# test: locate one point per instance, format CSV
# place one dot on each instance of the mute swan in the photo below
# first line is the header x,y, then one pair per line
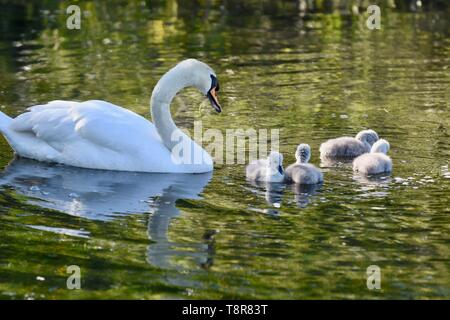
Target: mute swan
x,y
99,135
348,147
303,172
374,162
268,170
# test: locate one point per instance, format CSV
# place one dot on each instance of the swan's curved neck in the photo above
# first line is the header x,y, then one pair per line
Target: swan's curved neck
x,y
165,90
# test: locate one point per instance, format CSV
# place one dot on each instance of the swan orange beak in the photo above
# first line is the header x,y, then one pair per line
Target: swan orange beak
x,y
212,96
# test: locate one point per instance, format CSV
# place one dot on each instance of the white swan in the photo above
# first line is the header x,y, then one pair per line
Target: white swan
x,y
99,135
268,170
376,161
348,147
303,172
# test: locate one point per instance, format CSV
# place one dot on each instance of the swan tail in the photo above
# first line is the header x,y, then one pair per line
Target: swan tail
x,y
4,122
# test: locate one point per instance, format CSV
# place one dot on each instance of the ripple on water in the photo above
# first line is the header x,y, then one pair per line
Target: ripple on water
x,y
65,231
314,79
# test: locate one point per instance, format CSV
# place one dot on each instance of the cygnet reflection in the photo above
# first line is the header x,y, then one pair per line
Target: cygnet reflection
x,y
273,193
303,193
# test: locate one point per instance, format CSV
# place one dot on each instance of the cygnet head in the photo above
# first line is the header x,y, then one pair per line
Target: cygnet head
x,y
275,162
381,146
368,136
201,76
303,153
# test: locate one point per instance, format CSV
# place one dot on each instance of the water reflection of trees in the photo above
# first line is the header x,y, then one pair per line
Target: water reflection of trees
x,y
124,47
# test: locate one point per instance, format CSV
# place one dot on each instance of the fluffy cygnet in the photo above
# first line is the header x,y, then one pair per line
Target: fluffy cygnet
x,y
348,147
303,172
269,170
376,161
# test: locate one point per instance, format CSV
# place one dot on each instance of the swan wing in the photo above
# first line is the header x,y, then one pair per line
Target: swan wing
x,y
61,123
256,170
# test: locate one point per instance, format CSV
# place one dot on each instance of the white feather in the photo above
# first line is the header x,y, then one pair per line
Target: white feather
x,y
376,161
303,172
348,147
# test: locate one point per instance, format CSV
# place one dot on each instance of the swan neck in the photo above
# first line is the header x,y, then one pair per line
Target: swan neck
x,y
163,93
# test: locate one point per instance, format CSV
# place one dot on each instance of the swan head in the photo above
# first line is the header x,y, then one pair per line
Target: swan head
x,y
381,146
368,136
275,164
203,78
303,153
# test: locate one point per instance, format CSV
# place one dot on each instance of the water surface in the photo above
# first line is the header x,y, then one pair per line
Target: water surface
x,y
313,76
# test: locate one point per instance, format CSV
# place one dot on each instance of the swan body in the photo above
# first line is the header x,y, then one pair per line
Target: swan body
x,y
268,170
100,135
376,161
303,172
348,147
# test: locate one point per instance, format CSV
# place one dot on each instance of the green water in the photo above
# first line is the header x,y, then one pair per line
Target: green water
x,y
313,76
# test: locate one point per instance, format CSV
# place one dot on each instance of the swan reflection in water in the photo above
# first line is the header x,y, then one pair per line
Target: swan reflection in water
x,y
105,195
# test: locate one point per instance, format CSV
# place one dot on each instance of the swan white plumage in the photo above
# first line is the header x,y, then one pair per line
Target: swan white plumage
x,y
348,147
303,172
268,170
99,135
376,161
